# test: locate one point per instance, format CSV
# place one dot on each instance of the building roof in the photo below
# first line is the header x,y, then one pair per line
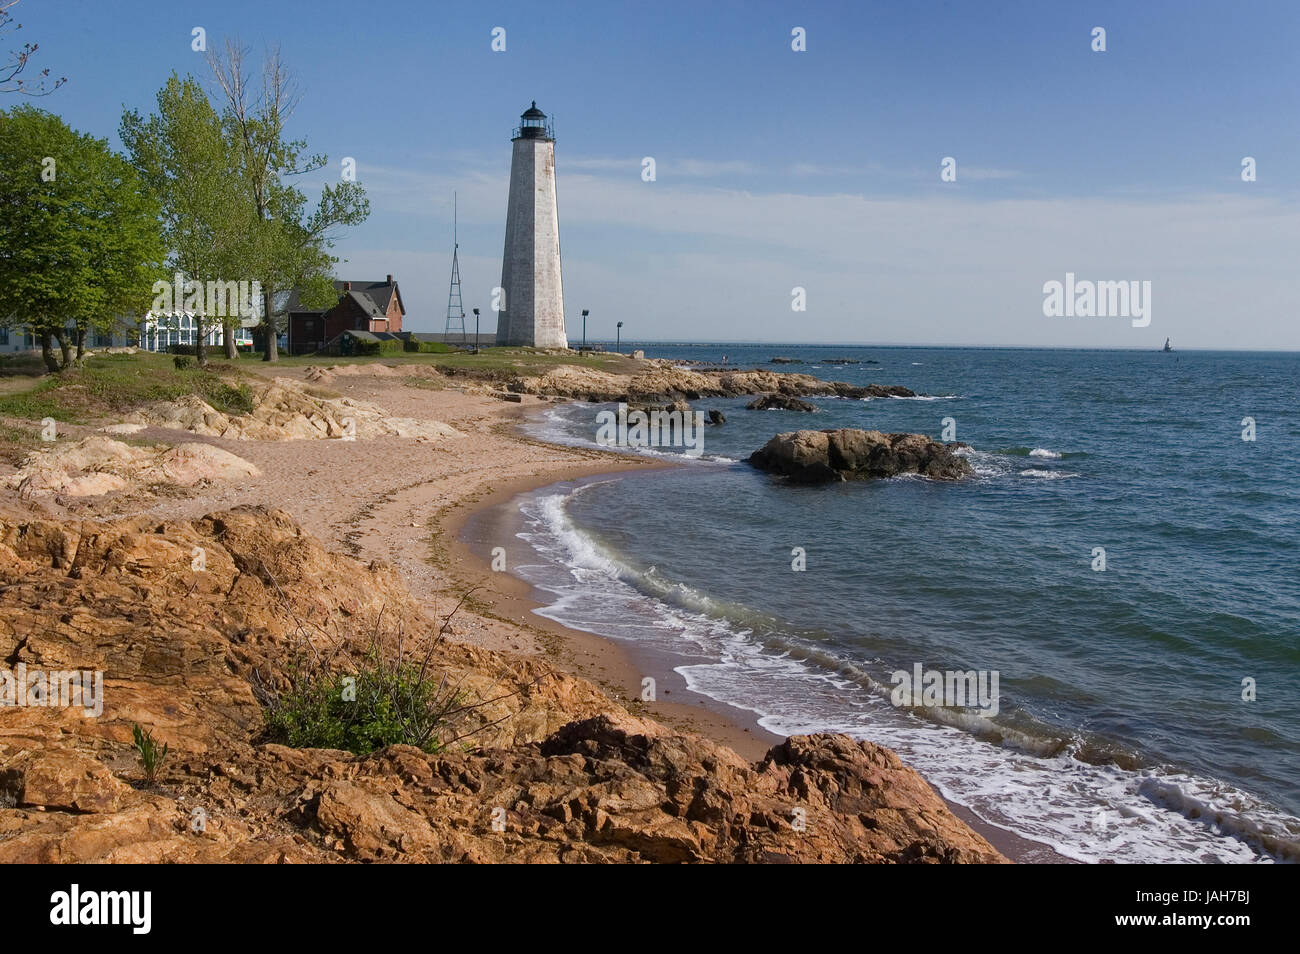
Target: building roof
x,y
371,297
532,112
371,335
366,304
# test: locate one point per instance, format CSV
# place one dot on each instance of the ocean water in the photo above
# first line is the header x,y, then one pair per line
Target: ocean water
x,y
1122,732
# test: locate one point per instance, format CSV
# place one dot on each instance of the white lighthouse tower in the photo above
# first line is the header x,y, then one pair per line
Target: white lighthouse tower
x,y
532,313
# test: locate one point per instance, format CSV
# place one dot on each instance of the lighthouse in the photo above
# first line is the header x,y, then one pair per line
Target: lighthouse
x,y
531,311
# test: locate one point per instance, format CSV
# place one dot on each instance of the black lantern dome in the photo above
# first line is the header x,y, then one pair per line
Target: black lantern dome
x,y
533,125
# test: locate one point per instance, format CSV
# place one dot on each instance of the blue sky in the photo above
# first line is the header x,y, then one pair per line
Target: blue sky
x,y
777,169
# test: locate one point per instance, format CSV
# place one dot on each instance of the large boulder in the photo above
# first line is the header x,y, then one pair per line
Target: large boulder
x,y
815,457
780,402
97,465
60,780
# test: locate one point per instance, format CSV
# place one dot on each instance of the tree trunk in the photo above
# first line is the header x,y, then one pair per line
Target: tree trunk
x,y
200,346
47,351
268,318
228,338
80,338
61,336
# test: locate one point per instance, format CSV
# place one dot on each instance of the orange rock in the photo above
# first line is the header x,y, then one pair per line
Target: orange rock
x,y
558,771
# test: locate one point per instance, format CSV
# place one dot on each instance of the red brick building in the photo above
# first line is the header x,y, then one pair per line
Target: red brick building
x,y
362,306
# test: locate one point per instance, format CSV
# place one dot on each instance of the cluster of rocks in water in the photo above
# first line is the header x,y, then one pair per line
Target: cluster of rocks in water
x,y
818,457
667,387
780,402
806,456
713,416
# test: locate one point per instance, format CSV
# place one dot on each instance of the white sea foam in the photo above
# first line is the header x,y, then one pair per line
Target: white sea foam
x,y
1086,812
926,397
1047,474
558,426
1043,452
984,464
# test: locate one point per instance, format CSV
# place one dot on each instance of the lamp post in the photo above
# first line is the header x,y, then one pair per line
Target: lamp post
x,y
585,313
476,331
618,335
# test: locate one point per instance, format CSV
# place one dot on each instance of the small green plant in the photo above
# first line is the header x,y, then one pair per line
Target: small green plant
x,y
377,705
182,362
384,698
151,756
229,399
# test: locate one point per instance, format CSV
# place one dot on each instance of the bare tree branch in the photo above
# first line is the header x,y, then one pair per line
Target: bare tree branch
x,y
18,59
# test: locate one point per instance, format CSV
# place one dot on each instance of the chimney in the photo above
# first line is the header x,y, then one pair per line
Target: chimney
x,y
347,286
390,279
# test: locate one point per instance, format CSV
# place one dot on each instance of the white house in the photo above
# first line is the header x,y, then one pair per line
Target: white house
x,y
154,333
15,340
158,332
18,340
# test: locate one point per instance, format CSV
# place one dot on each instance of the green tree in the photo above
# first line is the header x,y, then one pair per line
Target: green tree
x,y
184,156
80,240
290,245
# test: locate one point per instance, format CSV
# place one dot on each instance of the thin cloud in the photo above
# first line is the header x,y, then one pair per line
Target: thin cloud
x,y
664,165
811,170
985,174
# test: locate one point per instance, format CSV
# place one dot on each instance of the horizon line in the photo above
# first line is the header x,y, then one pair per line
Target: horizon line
x,y
970,347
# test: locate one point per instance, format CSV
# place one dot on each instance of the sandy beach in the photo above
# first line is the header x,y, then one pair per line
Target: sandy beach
x,y
406,502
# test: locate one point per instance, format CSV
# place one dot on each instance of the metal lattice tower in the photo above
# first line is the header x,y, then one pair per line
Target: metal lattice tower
x,y
455,309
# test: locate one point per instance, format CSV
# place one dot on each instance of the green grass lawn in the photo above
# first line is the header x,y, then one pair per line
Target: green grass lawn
x,y
526,361
519,360
113,384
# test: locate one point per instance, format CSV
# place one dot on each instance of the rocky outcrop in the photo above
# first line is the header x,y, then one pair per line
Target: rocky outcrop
x,y
664,383
284,410
61,780
97,465
814,457
682,407
780,402
553,770
716,417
